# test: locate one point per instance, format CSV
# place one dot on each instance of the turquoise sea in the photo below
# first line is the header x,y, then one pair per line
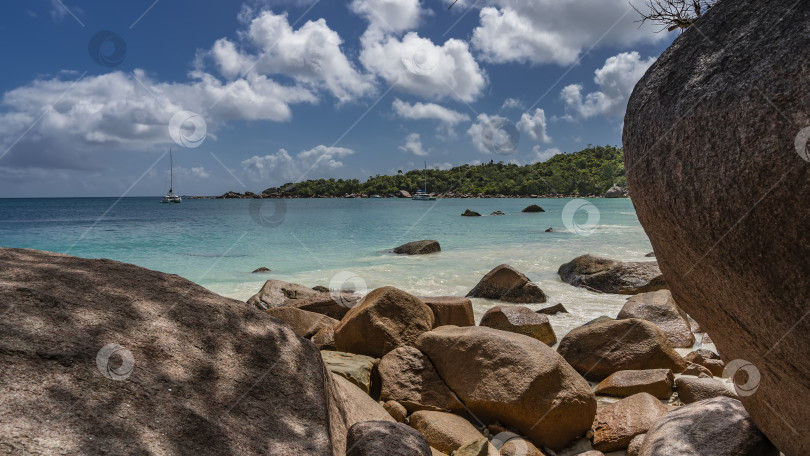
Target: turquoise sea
x,y
342,242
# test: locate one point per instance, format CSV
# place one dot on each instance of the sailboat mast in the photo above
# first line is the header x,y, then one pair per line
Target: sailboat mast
x,y
425,177
171,171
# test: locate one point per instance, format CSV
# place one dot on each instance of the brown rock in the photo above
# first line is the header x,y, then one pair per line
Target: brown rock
x,y
635,445
658,382
600,349
335,304
553,310
382,438
538,393
708,359
450,310
591,453
325,338
444,431
716,366
304,323
383,320
418,247
696,370
480,447
198,367
261,269
469,213
354,368
275,293
610,276
355,405
409,378
520,320
737,259
717,427
697,389
615,425
396,410
511,444
504,283
659,308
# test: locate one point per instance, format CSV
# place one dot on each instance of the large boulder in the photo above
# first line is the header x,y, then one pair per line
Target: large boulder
x,y
102,357
659,308
383,320
610,276
616,424
512,378
691,389
408,377
520,320
418,247
719,427
383,438
356,406
616,192
715,145
505,283
450,310
658,382
304,323
600,349
444,431
275,293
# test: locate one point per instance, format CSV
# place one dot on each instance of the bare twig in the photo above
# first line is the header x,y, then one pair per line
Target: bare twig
x,y
673,14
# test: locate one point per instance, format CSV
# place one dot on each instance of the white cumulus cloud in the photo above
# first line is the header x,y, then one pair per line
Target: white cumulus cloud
x,y
317,162
413,145
534,125
390,15
616,79
431,111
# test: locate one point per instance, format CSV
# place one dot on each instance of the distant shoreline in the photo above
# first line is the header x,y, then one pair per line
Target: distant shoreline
x,y
234,195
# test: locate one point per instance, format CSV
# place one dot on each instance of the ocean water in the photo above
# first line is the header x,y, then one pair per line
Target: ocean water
x,y
339,242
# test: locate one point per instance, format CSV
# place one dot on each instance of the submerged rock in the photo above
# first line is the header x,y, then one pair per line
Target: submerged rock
x,y
658,307
610,276
469,213
533,208
418,247
505,283
110,356
497,213
600,349
262,269
717,427
520,320
539,393
385,319
737,260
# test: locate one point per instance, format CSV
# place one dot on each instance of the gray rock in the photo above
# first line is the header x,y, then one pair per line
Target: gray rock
x,y
715,152
692,389
658,307
610,276
383,438
533,208
717,427
418,247
469,213
553,310
616,192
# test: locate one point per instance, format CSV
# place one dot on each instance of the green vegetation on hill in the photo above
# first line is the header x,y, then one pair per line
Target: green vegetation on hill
x,y
590,171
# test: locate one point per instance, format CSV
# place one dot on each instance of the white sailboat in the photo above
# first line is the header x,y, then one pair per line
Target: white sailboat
x,y
422,195
171,197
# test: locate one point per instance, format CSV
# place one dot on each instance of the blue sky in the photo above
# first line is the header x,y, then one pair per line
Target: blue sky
x,y
255,94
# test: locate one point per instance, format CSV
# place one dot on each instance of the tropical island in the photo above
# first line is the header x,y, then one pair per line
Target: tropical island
x,y
589,172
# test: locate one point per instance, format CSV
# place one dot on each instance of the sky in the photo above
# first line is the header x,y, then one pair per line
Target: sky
x,y
256,94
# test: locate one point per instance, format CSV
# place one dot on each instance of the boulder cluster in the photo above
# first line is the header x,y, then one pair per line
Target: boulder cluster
x,y
393,374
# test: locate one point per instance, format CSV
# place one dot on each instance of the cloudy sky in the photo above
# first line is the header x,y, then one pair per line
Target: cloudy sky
x,y
257,94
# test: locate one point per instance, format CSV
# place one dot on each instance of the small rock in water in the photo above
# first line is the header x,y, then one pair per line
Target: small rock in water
x,y
549,230
553,310
261,269
497,213
469,213
650,255
320,288
505,283
533,208
418,247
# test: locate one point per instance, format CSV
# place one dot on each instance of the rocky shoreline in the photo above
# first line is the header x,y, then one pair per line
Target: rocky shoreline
x,y
615,192
385,373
